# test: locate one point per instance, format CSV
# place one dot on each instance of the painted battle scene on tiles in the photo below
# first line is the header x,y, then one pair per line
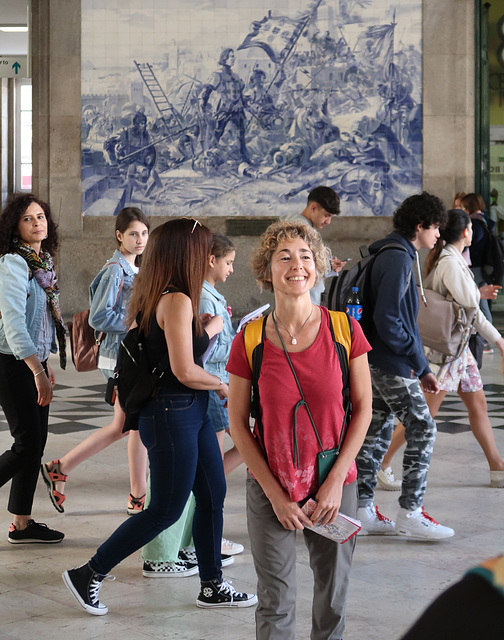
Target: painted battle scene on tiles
x,y
240,107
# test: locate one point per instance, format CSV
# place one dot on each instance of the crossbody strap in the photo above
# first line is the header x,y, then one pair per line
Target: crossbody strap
x,y
299,404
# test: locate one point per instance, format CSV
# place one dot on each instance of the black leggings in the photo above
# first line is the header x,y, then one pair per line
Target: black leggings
x,y
28,426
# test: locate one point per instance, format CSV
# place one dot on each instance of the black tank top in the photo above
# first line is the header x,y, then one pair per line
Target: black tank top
x,y
156,348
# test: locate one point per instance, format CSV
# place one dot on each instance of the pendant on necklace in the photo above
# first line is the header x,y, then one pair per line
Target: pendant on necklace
x,y
294,341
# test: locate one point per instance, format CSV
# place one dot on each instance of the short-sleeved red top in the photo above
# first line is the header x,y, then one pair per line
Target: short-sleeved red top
x,y
319,374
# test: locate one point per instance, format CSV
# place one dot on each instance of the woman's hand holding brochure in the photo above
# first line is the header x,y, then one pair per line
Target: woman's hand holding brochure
x,y
342,529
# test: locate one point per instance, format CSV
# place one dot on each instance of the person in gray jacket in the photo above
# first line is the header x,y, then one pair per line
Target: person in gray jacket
x,y
109,295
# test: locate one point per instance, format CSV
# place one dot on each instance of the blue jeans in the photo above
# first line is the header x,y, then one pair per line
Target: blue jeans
x,y
218,412
184,455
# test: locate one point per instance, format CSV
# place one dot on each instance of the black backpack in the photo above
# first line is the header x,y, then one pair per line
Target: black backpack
x,y
494,260
134,379
340,286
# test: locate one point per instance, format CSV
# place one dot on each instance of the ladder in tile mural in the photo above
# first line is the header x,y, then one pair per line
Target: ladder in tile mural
x,y
163,105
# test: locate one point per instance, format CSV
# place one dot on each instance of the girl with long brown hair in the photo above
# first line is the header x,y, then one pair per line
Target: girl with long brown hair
x,y
109,295
183,451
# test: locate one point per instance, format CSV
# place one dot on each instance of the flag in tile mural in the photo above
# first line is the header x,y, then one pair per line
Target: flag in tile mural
x,y
275,35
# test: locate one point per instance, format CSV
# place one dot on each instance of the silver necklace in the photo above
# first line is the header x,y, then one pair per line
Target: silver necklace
x,y
293,338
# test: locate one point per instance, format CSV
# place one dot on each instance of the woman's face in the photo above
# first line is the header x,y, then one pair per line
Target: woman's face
x,y
134,239
469,236
292,267
32,226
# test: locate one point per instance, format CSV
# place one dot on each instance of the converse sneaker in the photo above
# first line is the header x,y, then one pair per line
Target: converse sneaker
x,y
34,532
418,524
188,554
387,480
373,523
229,548
221,594
84,584
178,569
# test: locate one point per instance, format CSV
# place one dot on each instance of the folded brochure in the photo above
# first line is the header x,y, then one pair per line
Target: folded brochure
x,y
251,315
342,529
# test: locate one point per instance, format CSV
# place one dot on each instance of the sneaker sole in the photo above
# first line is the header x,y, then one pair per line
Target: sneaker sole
x,y
388,487
132,512
243,604
362,532
92,610
227,561
34,541
232,552
171,574
48,483
415,536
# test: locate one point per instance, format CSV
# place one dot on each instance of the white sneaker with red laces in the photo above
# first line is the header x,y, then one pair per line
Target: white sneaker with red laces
x,y
373,523
419,525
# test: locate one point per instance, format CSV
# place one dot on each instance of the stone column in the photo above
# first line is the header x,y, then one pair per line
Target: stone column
x,y
448,97
56,72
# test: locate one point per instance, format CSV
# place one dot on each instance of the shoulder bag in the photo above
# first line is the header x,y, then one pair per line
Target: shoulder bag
x,y
444,324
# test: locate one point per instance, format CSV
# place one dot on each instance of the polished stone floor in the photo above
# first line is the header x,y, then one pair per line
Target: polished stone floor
x,y
392,579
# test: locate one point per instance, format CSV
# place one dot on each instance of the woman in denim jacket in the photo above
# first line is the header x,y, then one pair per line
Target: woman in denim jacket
x,y
29,323
109,295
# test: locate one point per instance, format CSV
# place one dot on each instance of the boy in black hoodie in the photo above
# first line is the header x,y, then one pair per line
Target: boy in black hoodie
x,y
399,372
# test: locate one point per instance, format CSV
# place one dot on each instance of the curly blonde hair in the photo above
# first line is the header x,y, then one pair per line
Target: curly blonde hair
x,y
277,233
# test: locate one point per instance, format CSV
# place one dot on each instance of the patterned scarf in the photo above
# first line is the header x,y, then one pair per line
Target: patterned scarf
x,y
42,269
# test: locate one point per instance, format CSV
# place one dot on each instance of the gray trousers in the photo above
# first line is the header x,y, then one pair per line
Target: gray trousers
x,y
274,552
404,398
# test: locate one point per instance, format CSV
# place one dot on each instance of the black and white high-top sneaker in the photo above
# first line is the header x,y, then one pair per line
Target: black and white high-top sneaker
x,y
84,584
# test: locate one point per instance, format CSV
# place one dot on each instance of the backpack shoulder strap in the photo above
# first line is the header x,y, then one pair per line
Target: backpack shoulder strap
x,y
253,335
341,332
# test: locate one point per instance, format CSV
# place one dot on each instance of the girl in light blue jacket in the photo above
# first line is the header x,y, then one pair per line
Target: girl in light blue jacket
x,y
109,295
220,267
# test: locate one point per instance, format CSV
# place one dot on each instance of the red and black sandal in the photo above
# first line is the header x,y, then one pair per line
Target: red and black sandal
x,y
135,505
50,478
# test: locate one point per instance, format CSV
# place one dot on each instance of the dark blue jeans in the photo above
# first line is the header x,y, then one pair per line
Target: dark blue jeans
x,y
184,455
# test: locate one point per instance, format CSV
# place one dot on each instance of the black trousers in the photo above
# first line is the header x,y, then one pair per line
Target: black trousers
x,y
28,426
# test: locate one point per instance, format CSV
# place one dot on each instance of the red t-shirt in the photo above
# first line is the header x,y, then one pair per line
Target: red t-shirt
x,y
319,375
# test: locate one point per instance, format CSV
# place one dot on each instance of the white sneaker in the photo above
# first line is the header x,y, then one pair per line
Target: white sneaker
x,y
229,548
418,524
387,480
373,523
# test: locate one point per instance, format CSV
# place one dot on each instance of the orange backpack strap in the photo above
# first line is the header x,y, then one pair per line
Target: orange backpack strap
x,y
253,336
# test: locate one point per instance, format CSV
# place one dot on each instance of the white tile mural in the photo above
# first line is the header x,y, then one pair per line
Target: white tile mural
x,y
240,107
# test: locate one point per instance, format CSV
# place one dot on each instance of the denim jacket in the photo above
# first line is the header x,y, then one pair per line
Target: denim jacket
x,y
104,313
22,304
214,303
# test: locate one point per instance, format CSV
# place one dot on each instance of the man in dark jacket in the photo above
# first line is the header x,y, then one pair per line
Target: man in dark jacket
x,y
399,372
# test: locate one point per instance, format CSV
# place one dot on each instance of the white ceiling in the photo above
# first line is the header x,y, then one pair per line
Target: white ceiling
x,y
13,12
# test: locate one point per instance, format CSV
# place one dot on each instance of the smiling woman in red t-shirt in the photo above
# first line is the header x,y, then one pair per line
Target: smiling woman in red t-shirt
x,y
289,261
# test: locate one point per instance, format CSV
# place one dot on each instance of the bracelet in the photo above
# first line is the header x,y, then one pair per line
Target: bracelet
x,y
39,372
221,382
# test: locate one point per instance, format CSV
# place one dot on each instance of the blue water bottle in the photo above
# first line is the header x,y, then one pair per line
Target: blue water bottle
x,y
353,305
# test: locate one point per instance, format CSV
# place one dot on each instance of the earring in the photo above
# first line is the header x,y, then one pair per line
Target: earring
x,y
15,240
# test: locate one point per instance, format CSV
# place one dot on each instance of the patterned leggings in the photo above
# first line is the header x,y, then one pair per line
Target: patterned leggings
x,y
404,398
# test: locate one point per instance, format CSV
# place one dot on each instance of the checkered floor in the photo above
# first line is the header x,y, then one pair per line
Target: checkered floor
x,y
452,417
75,409
81,408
